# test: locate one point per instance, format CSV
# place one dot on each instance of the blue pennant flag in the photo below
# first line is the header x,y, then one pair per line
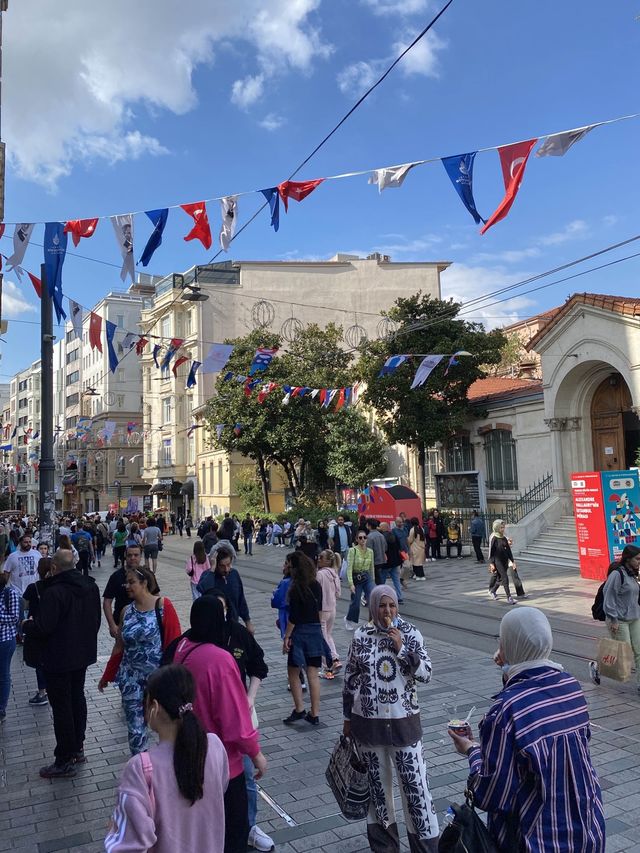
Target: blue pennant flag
x,y
156,350
347,395
273,197
6,446
110,329
460,171
159,219
262,359
191,378
55,248
227,377
392,364
166,361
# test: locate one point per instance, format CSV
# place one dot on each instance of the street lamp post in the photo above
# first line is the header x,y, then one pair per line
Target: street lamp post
x,y
47,463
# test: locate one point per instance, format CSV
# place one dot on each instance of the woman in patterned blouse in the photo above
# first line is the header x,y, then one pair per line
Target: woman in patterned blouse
x,y
386,658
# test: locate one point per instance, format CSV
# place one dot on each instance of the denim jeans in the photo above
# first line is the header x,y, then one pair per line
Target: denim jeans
x,y
248,544
252,790
365,586
7,648
394,574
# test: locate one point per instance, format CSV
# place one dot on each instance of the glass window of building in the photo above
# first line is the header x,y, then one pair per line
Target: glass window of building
x,y
459,454
500,453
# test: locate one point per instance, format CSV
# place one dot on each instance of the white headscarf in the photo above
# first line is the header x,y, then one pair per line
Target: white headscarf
x,y
526,640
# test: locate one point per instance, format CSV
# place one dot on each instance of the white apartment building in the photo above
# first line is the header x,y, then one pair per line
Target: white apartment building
x,y
184,472
24,423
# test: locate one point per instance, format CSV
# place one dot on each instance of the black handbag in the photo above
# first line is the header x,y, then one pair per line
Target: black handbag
x,y
466,833
348,779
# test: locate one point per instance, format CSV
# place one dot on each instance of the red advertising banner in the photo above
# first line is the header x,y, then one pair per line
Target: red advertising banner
x,y
591,528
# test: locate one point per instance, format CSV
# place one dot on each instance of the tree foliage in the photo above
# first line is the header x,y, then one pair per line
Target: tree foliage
x,y
313,445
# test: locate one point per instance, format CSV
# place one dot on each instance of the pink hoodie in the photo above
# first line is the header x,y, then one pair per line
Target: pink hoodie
x,y
221,700
198,569
330,583
171,825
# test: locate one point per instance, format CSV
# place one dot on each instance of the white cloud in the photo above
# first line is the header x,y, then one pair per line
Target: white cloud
x,y
578,229
422,59
610,220
396,7
415,247
464,283
272,122
77,74
13,301
510,256
572,231
244,93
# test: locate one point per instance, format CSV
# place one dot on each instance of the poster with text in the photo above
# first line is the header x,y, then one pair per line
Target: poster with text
x,y
621,493
591,530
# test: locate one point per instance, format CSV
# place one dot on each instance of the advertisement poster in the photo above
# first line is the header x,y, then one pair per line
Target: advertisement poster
x,y
621,493
591,529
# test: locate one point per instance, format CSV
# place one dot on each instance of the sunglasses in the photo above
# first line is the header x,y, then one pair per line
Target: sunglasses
x,y
362,537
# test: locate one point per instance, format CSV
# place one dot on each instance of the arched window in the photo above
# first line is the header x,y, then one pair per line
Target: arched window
x,y
459,454
500,452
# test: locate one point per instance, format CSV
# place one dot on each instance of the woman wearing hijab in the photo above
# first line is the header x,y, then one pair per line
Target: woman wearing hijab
x,y
387,656
222,707
620,604
531,770
499,556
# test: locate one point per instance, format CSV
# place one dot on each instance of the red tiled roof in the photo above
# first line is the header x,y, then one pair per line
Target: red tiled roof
x,y
494,387
626,305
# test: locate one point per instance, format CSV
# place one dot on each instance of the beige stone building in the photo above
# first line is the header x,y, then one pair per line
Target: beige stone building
x,y
183,471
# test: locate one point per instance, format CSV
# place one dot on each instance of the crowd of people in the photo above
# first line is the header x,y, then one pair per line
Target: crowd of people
x,y
197,689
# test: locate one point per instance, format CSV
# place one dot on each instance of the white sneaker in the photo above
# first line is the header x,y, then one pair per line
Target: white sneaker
x,y
259,840
350,626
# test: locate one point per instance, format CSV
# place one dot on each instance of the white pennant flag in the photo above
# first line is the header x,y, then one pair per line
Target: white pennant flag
x,y
229,209
129,340
75,315
390,177
560,143
123,227
424,370
21,236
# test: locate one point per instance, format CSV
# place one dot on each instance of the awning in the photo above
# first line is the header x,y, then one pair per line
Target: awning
x,y
159,489
187,489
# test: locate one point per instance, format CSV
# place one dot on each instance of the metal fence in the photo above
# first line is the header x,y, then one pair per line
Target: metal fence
x,y
512,512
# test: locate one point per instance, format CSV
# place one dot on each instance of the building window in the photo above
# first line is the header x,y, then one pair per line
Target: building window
x,y
166,452
459,454
73,399
120,321
187,324
120,374
211,483
204,479
500,452
74,377
120,401
70,423
219,477
191,450
165,327
166,410
431,467
73,355
122,466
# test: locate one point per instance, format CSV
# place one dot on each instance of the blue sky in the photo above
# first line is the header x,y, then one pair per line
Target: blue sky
x,y
137,106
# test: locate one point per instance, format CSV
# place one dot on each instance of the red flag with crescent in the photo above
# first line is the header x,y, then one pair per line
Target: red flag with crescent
x,y
296,190
177,363
141,344
201,230
95,331
513,159
80,228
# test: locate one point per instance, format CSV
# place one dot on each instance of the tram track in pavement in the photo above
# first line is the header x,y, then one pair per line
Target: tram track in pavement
x,y
469,627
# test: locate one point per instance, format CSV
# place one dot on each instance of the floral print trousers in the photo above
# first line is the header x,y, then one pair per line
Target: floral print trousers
x,y
417,804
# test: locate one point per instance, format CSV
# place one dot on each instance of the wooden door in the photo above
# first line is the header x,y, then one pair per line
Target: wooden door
x,y
610,401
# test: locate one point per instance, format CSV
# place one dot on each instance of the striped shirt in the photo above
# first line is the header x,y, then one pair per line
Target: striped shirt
x,y
9,613
533,763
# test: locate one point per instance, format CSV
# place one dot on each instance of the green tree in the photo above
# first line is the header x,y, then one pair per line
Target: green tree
x,y
249,489
421,417
510,357
306,440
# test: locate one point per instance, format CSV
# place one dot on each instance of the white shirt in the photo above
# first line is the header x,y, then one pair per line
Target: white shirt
x,y
22,568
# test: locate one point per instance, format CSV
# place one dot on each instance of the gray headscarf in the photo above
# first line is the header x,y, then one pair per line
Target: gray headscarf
x,y
526,640
376,595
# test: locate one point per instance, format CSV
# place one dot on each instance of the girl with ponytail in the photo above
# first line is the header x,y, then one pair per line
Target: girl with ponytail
x,y
172,797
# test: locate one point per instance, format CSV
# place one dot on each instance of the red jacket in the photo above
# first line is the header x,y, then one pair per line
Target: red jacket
x,y
171,630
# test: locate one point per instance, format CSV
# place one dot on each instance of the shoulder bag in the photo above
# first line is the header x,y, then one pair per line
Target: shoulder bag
x,y
348,779
466,833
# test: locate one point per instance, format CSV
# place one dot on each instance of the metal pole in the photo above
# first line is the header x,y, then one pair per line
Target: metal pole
x,y
47,462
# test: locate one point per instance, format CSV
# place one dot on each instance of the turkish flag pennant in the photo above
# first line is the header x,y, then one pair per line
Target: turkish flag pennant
x,y
177,363
80,228
323,396
265,391
296,190
95,331
2,227
201,230
340,401
141,344
37,284
513,159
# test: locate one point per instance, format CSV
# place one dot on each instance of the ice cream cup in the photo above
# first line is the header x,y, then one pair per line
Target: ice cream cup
x,y
459,727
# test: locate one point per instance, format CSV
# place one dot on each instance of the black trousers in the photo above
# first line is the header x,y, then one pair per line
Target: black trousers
x,y
236,820
457,544
477,542
69,706
83,562
500,576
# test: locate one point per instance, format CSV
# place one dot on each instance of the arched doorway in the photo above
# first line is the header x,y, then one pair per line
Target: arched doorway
x,y
615,428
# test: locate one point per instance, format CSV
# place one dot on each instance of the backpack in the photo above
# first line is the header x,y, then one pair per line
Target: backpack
x,y
82,543
597,608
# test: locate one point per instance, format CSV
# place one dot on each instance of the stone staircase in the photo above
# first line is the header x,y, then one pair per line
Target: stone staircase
x,y
556,546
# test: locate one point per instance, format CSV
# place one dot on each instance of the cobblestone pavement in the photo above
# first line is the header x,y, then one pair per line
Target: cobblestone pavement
x,y
71,815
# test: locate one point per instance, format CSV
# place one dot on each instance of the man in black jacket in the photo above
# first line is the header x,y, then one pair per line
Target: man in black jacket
x,y
67,626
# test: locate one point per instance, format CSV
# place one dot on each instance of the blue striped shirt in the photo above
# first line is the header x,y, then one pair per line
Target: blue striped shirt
x,y
9,613
533,762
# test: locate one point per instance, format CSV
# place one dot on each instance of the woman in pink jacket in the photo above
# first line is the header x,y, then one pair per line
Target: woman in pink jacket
x,y
329,579
197,564
222,708
171,797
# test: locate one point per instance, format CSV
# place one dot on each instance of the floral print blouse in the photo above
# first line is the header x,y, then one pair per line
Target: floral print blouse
x,y
379,695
